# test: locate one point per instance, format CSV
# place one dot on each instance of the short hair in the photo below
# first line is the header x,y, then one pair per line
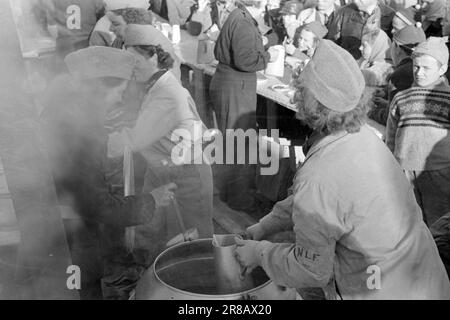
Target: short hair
x,y
320,118
165,60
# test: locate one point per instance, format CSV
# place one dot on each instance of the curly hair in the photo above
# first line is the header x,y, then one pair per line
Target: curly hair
x,y
297,33
165,60
135,15
322,119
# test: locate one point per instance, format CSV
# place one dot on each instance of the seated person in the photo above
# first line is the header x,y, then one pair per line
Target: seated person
x,y
274,15
307,37
322,12
289,13
403,44
104,32
404,17
376,62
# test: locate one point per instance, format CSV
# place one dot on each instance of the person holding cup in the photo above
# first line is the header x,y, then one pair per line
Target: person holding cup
x,y
359,232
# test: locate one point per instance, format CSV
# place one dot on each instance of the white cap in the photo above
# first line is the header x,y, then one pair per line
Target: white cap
x,y
122,4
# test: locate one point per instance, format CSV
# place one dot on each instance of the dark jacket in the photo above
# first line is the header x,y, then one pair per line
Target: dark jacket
x,y
239,45
402,78
348,21
76,142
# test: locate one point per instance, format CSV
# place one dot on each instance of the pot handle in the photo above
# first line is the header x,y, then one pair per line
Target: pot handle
x,y
248,296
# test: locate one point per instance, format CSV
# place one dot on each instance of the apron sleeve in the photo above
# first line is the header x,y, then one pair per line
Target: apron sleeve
x,y
280,219
317,225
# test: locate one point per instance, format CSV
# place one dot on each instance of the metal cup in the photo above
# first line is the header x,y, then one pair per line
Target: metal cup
x,y
230,277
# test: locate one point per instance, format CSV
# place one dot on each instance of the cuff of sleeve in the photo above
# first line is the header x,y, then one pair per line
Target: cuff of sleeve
x,y
261,247
267,225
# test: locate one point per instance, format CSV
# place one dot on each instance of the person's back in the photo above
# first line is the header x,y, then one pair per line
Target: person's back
x,y
349,21
378,222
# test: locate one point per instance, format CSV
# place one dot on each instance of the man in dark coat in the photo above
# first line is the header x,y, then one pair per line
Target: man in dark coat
x,y
356,19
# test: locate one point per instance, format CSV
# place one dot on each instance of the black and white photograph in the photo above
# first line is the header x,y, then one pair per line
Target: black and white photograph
x,y
224,150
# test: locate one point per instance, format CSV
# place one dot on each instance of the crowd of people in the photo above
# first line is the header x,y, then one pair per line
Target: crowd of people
x,y
356,202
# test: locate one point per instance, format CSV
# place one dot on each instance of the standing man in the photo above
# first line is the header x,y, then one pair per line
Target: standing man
x,y
356,19
418,126
357,225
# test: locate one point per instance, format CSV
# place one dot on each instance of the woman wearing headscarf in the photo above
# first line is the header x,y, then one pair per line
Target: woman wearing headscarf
x,y
73,125
357,225
375,62
168,134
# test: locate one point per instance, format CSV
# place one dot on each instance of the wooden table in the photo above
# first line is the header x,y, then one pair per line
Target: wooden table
x,y
187,53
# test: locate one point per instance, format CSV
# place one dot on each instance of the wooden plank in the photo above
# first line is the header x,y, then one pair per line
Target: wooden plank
x,y
42,255
7,214
9,236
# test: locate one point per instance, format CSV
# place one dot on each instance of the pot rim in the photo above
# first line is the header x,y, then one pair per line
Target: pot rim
x,y
228,295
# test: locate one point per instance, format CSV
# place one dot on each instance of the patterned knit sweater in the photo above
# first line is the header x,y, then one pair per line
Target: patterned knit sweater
x,y
418,128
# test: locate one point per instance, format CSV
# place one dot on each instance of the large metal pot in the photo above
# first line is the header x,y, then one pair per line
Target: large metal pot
x,y
186,272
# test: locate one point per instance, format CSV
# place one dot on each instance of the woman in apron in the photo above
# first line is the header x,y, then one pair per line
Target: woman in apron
x,y
168,134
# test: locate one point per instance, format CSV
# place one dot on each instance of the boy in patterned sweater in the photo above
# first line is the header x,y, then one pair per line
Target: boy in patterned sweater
x,y
418,129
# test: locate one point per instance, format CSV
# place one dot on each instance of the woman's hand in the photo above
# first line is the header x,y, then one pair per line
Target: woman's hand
x,y
163,195
247,254
254,232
